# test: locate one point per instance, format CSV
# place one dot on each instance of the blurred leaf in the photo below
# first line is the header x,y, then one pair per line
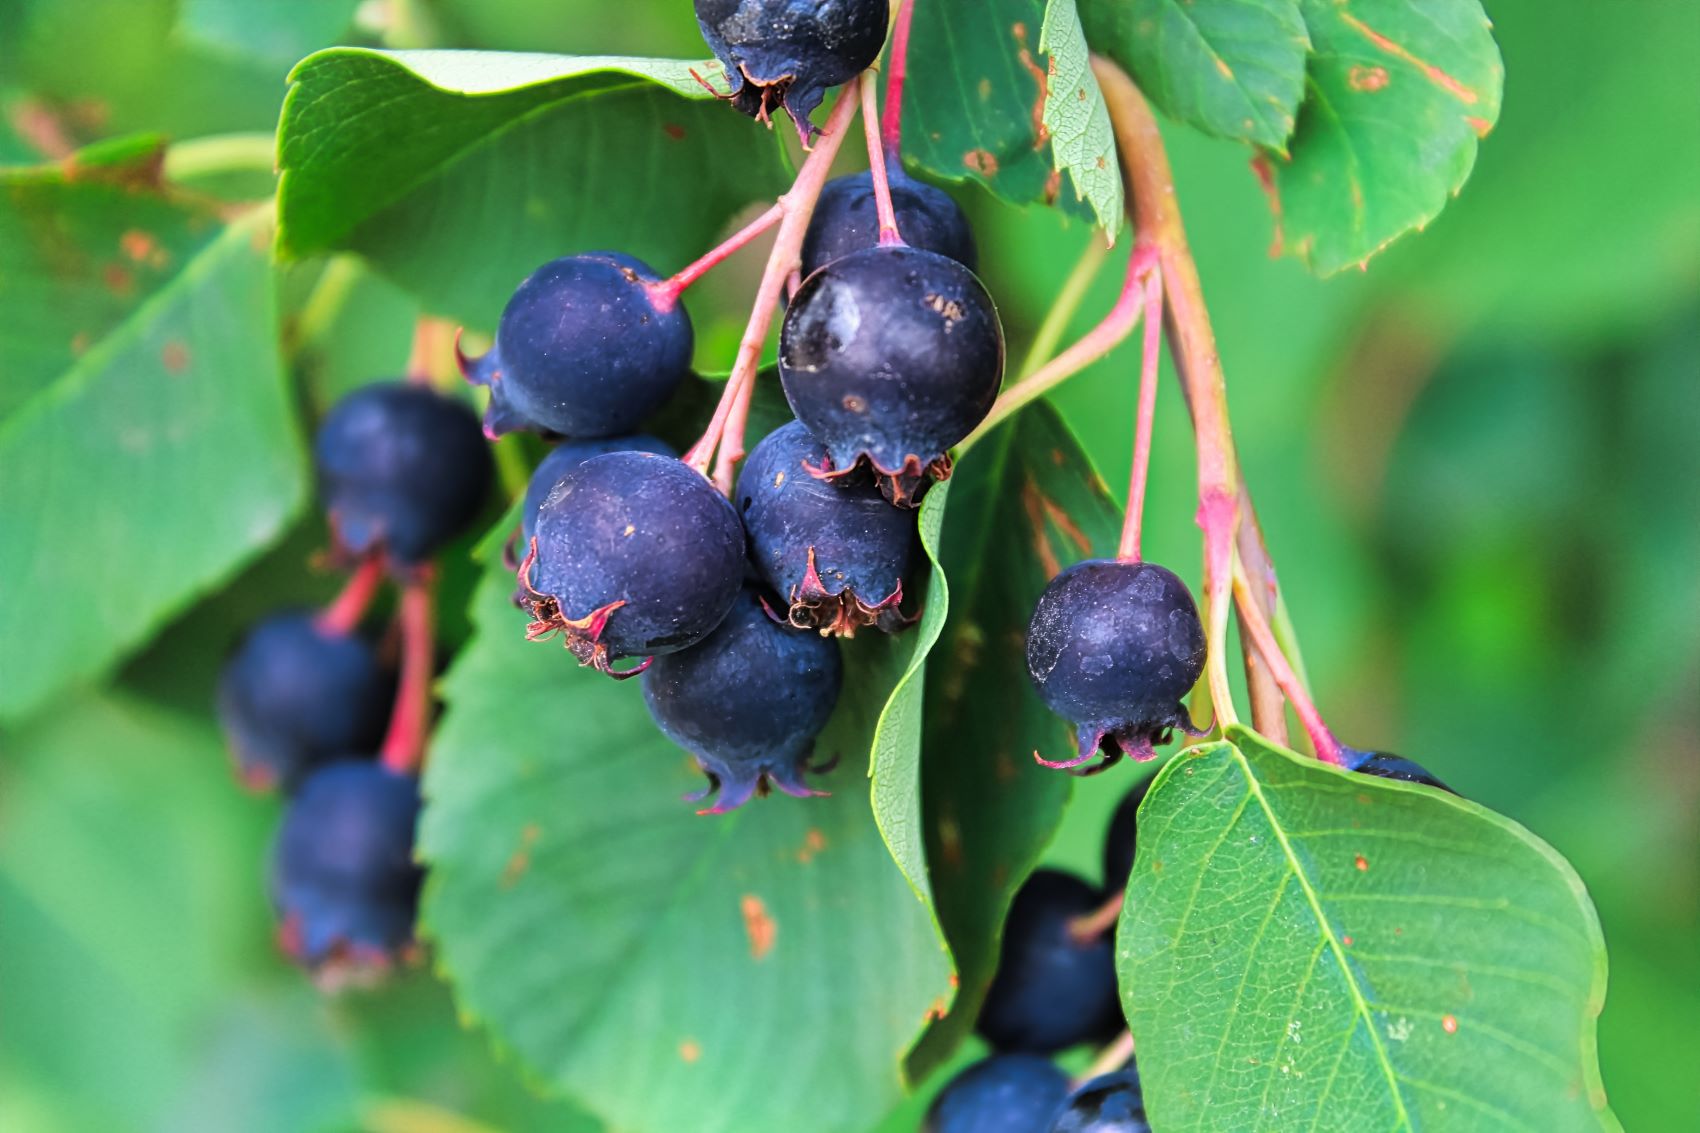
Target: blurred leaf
x,y
668,970
1399,94
526,157
1082,143
1301,946
150,446
1232,69
277,31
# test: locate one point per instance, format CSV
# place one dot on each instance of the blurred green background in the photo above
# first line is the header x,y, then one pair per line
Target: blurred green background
x,y
1477,463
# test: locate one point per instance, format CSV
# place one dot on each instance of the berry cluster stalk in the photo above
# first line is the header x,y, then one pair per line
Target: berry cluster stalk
x,y
891,127
431,339
876,169
404,744
348,607
1257,629
1151,358
667,291
1112,1058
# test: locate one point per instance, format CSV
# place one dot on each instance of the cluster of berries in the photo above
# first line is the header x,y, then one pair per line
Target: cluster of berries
x,y
314,708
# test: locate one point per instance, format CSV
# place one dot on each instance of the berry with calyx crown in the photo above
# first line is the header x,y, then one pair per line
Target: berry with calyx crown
x,y
568,455
846,220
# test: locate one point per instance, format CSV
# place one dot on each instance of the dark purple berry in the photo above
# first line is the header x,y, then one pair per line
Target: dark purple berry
x,y
846,220
1006,1093
748,702
344,882
784,54
588,346
1112,648
295,695
568,455
1109,1103
635,555
1386,765
402,469
890,356
1121,839
835,550
1052,989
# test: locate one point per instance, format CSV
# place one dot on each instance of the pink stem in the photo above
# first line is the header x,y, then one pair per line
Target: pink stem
x,y
410,720
1150,361
897,71
1110,1059
666,292
1090,926
429,344
348,607
876,171
1256,627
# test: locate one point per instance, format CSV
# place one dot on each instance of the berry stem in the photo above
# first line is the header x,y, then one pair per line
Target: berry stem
x,y
410,720
1253,623
347,608
897,71
876,169
1110,1059
1090,926
666,292
431,338
1268,708
725,432
1151,358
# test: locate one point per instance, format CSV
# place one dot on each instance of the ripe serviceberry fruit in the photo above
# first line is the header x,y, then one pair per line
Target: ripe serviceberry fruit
x,y
1121,838
846,220
1052,989
1386,765
890,356
568,455
835,550
1109,1103
635,555
587,347
786,53
344,882
748,702
294,695
1113,647
1006,1093
402,469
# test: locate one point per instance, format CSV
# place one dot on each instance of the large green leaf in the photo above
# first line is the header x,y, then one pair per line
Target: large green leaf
x,y
149,442
1083,143
1307,948
1399,93
1230,68
458,172
759,970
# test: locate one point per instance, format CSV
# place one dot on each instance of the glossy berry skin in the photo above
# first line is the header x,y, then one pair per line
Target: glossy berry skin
x,y
569,454
402,470
1006,1093
1112,648
1109,1103
294,695
1052,990
587,347
636,555
747,702
834,550
784,54
846,220
1386,765
344,882
1121,839
890,356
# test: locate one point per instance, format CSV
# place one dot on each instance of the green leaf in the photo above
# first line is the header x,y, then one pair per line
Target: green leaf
x,y
1307,948
669,971
1398,95
1083,144
278,33
148,435
1230,68
1026,503
507,159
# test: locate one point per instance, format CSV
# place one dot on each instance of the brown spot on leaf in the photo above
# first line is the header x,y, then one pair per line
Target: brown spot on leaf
x,y
984,90
118,280
1449,1024
79,342
1222,67
982,162
674,130
1367,79
758,926
138,245
1362,863
1053,186
1042,77
689,1050
813,843
1265,173
1434,74
1481,126
521,859
1033,504
175,356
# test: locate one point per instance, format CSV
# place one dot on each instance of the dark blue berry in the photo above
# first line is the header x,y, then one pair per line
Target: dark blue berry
x,y
835,550
748,702
1112,648
1386,765
588,346
344,882
890,356
784,54
1109,1103
294,695
1121,839
402,470
568,455
636,555
1052,989
846,220
1006,1093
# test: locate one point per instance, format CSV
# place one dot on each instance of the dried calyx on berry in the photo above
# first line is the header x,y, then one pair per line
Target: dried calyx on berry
x,y
402,470
1006,1093
296,694
1109,1103
846,220
890,356
634,555
747,702
784,54
1386,765
588,346
835,550
1113,647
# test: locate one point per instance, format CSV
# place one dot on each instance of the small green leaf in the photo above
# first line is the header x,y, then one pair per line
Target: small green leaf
x,y
1230,68
1399,93
1307,948
1083,144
